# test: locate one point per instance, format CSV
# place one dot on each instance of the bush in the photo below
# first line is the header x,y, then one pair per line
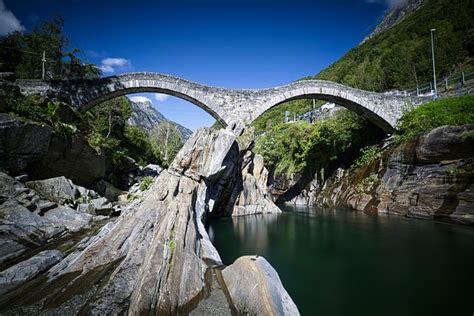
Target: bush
x,y
146,183
368,154
452,111
289,148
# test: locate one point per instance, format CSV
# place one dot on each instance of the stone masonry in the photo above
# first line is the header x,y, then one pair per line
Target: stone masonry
x,y
228,106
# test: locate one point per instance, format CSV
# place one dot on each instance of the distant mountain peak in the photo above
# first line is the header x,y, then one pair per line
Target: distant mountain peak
x,y
145,116
399,10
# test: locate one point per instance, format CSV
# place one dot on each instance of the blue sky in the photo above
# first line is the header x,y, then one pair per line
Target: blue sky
x,y
228,43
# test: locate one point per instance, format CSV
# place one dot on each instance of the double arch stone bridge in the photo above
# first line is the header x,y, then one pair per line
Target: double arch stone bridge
x,y
228,106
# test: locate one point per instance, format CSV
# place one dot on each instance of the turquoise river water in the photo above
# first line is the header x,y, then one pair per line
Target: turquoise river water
x,y
340,262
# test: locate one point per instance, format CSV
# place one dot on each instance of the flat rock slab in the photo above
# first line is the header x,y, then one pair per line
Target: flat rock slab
x,y
28,269
256,289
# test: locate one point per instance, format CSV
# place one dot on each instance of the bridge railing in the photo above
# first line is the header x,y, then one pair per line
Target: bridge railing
x,y
457,84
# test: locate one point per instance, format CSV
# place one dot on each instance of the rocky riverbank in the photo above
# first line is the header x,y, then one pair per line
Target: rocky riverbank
x,y
430,177
156,255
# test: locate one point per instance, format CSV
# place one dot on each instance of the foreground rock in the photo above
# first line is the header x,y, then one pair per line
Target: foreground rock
x,y
430,177
256,289
35,214
154,258
28,269
21,142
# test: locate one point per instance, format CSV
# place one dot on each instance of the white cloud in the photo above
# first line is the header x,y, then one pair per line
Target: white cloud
x,y
110,65
160,97
140,99
8,21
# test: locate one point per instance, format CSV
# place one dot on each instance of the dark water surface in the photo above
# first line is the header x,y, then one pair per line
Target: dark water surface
x,y
339,262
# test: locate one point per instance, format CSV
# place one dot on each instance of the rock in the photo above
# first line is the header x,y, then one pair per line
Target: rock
x,y
86,208
21,142
445,143
102,206
151,170
256,289
428,178
70,218
108,190
28,269
60,189
156,254
23,230
72,158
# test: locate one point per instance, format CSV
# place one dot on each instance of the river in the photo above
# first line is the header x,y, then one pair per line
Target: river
x,y
341,262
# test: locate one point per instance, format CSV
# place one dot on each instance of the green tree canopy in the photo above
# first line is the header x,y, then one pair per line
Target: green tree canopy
x,y
22,53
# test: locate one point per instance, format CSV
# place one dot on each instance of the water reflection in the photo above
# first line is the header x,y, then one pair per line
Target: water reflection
x,y
339,262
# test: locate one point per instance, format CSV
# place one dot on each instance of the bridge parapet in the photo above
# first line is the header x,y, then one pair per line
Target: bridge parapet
x,y
226,105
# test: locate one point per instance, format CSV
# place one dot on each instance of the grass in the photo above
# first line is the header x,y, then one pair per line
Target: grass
x,y
452,111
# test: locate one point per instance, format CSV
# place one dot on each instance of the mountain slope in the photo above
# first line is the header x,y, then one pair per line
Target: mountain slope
x,y
398,54
145,116
394,16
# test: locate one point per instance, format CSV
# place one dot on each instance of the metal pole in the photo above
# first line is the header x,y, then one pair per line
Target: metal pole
x,y
446,84
463,79
43,61
434,66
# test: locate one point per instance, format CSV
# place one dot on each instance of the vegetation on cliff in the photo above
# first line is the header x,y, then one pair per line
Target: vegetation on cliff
x,y
453,111
400,57
290,148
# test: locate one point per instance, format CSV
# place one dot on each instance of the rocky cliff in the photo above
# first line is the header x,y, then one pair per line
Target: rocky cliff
x,y
156,258
430,177
145,116
400,10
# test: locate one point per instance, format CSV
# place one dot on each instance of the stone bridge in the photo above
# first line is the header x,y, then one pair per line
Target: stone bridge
x,y
228,106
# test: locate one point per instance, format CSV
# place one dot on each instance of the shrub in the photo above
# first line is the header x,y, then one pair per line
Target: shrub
x,y
146,183
368,155
452,111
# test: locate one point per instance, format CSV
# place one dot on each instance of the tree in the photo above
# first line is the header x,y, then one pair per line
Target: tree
x,y
22,53
109,117
166,138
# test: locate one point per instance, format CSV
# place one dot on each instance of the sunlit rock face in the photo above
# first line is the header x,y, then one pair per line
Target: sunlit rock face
x,y
153,259
429,177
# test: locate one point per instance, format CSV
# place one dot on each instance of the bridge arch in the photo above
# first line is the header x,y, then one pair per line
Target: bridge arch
x,y
380,109
89,93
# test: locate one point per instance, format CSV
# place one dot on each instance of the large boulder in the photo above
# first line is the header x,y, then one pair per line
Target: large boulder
x,y
70,157
256,289
72,219
21,142
445,143
60,189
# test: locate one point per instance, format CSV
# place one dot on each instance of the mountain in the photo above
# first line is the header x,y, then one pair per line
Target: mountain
x,y
145,116
395,15
397,54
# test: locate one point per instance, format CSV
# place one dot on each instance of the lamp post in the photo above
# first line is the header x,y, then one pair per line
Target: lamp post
x,y
434,66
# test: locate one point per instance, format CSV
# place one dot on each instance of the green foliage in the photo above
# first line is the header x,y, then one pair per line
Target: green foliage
x,y
452,111
166,141
467,135
217,125
367,183
22,53
401,56
276,115
368,155
139,146
291,147
146,183
42,110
